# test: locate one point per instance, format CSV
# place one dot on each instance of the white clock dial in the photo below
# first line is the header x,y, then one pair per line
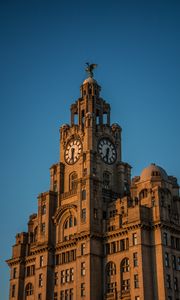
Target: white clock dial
x,y
73,151
107,151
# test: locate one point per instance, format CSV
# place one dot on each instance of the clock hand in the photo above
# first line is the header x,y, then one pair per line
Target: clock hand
x,y
72,153
107,154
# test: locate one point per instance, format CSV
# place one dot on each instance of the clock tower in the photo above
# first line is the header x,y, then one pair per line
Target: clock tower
x,y
91,174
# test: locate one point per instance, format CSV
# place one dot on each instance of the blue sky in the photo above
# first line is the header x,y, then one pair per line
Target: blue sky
x,y
44,46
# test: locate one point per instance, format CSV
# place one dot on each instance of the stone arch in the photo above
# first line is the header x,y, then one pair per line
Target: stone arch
x,y
66,217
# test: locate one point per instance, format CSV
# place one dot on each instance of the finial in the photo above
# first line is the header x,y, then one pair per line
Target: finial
x,y
89,69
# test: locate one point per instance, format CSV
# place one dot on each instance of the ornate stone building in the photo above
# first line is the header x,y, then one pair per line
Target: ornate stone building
x,y
98,234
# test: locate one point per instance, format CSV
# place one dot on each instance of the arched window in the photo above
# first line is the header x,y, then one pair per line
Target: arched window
x,y
73,181
71,221
143,194
111,269
29,289
125,265
111,277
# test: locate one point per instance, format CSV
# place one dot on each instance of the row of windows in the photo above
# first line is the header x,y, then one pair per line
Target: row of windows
x,y
66,276
30,270
174,241
29,290
124,266
125,285
117,246
169,282
65,295
65,257
68,294
172,260
120,245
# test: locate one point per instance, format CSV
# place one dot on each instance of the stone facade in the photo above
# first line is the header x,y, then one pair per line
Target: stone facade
x,y
97,233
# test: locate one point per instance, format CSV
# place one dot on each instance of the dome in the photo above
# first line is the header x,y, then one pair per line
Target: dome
x,y
151,171
90,80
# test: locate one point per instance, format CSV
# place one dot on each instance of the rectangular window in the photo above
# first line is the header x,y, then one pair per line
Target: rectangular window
x,y
82,289
63,258
83,214
14,273
122,245
136,281
95,213
28,271
32,269
113,247
71,294
166,259
55,296
67,275
43,228
56,278
57,259
137,298
55,186
63,276
40,280
126,285
174,262
83,270
134,238
175,284
43,209
178,266
168,281
165,238
13,292
71,274
83,194
39,296
41,261
107,248
135,259
177,243
82,248
111,287
62,295
172,242
66,294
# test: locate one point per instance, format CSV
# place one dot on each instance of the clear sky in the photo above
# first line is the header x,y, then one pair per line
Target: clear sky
x,y
44,46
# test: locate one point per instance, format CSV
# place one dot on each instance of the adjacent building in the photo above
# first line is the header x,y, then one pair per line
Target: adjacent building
x,y
98,234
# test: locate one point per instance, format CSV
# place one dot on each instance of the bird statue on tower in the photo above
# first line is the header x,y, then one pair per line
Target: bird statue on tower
x,y
89,69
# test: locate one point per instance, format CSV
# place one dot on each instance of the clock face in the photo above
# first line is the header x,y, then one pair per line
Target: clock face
x,y
73,151
107,151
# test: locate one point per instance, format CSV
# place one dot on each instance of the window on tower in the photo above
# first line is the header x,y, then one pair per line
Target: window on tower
x,y
83,214
106,180
104,118
73,181
13,293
